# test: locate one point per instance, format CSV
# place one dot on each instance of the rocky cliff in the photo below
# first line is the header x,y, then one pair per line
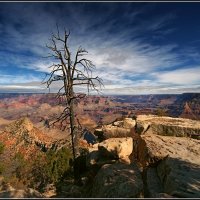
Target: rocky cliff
x,y
162,158
26,153
168,126
144,156
22,134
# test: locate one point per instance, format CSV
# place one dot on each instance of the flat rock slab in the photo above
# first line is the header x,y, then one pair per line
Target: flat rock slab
x,y
152,124
177,163
182,122
118,181
152,148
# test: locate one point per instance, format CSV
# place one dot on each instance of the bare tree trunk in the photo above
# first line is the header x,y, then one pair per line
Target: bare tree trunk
x,y
72,127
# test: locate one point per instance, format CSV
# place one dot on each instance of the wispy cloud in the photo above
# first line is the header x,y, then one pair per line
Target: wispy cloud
x,y
10,79
127,43
180,76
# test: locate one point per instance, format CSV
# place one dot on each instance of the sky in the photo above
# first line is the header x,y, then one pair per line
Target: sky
x,y
137,48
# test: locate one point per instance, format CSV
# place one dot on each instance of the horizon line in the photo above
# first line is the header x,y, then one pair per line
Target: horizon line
x,y
104,94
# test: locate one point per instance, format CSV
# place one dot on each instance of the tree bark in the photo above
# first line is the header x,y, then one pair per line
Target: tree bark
x,y
72,127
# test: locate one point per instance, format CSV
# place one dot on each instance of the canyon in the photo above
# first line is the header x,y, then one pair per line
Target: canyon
x,y
133,146
97,110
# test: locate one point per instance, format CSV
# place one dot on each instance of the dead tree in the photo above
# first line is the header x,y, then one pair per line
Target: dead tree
x,y
71,72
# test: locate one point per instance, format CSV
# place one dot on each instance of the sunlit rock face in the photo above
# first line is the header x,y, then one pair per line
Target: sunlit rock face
x,y
110,150
169,157
118,180
117,129
168,126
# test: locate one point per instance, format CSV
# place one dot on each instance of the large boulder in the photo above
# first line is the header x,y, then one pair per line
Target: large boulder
x,y
153,185
125,123
117,148
152,124
109,151
154,148
118,123
116,130
180,178
118,181
129,123
176,161
110,131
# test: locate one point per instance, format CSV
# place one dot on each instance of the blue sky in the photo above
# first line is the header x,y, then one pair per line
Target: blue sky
x,y
138,48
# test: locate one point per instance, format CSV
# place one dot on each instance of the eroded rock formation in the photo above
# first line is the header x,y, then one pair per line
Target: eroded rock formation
x,y
167,152
168,126
157,157
22,132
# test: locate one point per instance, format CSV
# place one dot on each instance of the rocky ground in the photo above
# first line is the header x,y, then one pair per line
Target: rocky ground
x,y
151,156
144,156
21,137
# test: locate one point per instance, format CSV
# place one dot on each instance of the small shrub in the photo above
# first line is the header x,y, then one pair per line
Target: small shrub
x,y
1,147
1,168
50,168
42,169
57,164
1,151
161,112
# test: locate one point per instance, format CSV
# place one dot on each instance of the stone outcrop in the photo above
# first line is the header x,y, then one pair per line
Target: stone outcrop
x,y
128,123
150,124
110,150
116,130
180,127
166,150
69,190
118,181
152,148
9,192
110,131
24,131
167,157
179,177
117,147
175,162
